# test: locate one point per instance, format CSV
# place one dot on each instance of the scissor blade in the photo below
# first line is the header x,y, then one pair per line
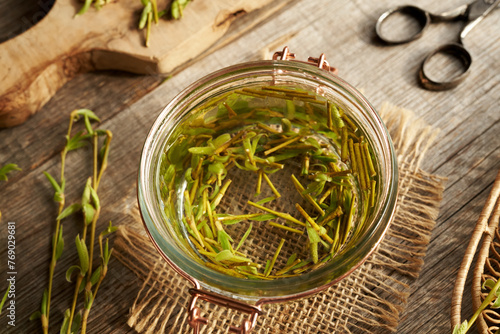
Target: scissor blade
x,y
481,8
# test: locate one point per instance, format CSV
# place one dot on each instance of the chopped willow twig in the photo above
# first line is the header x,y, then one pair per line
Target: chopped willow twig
x,y
286,228
285,216
275,257
336,165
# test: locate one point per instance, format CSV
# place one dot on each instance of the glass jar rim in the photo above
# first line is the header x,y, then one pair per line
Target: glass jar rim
x,y
263,290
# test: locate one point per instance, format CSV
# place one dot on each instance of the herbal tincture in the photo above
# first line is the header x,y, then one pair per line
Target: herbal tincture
x,y
267,182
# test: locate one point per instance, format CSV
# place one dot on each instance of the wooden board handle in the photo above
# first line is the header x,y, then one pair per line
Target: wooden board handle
x,y
60,46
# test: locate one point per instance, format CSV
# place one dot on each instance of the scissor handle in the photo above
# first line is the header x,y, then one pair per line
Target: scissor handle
x,y
421,16
455,50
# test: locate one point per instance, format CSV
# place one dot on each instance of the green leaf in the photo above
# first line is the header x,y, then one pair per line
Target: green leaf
x,y
268,264
223,239
247,145
461,329
70,270
198,131
88,113
169,174
144,15
286,125
83,255
177,151
227,255
88,213
313,142
217,168
490,284
35,315
95,198
255,142
291,259
83,284
85,7
224,255
58,196
8,168
244,167
264,217
107,253
223,158
266,200
250,269
77,322
65,324
4,299
176,10
59,244
95,276
221,140
160,14
43,308
249,166
206,150
73,208
86,192
315,188
312,234
89,299
110,229
76,142
244,237
496,304
188,175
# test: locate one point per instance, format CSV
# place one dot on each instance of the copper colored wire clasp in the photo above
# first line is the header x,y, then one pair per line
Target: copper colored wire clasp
x,y
320,62
283,55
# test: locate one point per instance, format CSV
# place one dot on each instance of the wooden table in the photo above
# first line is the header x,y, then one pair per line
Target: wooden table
x,y
467,150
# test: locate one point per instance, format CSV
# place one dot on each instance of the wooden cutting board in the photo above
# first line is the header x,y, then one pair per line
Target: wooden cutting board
x,y
38,62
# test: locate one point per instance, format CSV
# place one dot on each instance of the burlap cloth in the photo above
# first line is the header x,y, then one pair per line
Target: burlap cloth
x,y
371,299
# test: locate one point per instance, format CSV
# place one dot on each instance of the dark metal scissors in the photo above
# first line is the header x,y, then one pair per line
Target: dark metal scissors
x,y
472,14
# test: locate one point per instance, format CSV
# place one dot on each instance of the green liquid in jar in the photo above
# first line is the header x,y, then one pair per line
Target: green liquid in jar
x,y
267,182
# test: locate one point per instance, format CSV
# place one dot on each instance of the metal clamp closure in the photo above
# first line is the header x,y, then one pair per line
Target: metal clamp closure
x,y
196,320
320,62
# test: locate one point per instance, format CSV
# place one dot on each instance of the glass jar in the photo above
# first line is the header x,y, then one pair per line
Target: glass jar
x,y
244,294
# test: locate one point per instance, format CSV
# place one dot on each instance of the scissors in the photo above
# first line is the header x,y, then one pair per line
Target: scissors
x,y
471,13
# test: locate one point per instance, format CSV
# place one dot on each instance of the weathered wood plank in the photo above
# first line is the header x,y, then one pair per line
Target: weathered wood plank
x,y
467,150
21,16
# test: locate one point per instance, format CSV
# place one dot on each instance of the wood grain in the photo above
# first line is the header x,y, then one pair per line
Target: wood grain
x,y
467,150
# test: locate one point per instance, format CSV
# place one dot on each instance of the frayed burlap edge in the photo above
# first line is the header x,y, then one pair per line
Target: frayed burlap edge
x,y
369,300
